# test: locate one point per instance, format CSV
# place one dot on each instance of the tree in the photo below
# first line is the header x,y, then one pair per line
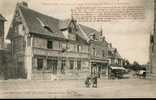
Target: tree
x,y
136,66
126,63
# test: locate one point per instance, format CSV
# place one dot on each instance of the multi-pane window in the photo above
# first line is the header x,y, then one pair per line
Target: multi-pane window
x,y
71,64
49,44
54,66
78,65
39,63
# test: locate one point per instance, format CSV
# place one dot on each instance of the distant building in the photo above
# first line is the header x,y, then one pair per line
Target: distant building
x,y
151,70
44,47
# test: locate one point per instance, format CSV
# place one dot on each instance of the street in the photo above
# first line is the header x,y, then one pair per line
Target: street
x,y
125,88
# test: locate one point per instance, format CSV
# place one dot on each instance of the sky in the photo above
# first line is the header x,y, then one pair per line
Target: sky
x,y
131,38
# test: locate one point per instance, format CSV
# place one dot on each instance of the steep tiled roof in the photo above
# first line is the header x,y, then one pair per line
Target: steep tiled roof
x,y
88,30
63,24
45,25
36,23
101,43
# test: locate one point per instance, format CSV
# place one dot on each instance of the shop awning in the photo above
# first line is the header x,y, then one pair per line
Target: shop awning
x,y
121,68
99,61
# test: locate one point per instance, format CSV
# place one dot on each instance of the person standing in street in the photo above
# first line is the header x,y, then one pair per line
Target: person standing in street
x,y
94,79
88,81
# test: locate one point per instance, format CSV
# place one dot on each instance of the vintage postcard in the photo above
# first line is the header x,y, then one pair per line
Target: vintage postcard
x,y
77,49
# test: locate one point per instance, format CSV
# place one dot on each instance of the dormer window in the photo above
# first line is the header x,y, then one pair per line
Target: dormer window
x,y
72,28
94,37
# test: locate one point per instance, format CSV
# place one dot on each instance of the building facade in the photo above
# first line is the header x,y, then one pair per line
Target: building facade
x,y
4,53
151,69
2,21
44,47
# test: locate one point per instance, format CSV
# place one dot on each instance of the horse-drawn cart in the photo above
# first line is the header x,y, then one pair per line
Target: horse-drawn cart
x,y
140,74
116,72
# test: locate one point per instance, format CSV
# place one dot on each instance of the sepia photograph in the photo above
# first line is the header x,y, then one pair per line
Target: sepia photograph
x,y
77,49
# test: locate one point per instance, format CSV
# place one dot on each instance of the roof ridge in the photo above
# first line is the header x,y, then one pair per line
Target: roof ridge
x,y
89,27
83,33
39,12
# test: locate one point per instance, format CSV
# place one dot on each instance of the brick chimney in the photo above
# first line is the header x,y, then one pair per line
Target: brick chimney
x,y
2,20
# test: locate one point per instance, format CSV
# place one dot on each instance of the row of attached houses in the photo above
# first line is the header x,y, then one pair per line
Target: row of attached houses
x,y
43,47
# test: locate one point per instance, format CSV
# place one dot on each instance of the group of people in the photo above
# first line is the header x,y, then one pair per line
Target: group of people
x,y
91,81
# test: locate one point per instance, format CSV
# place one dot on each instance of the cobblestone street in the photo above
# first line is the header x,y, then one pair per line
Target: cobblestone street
x,y
127,88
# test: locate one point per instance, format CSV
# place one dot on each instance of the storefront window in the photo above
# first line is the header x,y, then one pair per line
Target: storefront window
x,y
54,66
49,64
63,64
39,64
78,65
71,64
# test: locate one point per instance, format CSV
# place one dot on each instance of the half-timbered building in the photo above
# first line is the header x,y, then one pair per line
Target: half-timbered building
x,y
43,47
